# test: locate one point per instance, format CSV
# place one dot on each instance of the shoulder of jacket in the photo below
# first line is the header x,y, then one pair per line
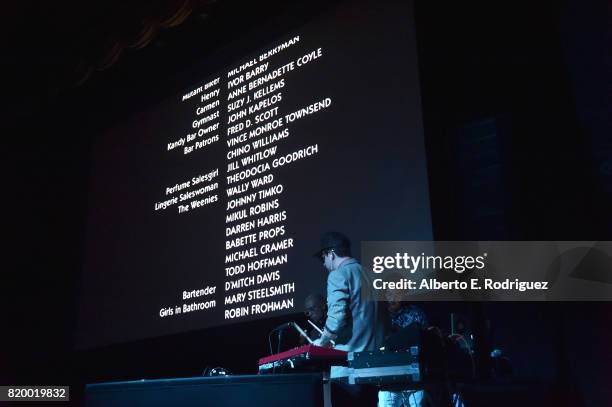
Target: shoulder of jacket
x,y
351,266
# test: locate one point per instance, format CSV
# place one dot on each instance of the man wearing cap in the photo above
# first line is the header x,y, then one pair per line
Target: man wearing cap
x,y
352,315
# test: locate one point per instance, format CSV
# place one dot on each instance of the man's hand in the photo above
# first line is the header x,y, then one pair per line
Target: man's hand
x,y
319,342
326,340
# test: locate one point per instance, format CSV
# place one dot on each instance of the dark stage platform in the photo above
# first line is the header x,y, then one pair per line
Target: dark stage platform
x,y
248,390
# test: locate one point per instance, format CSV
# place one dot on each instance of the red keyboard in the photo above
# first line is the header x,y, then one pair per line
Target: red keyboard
x,y
297,357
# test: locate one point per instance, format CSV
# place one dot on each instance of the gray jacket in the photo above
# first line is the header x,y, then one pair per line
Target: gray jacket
x,y
352,313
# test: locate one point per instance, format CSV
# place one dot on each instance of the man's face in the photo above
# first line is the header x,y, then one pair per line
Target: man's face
x,y
393,301
314,310
328,260
394,306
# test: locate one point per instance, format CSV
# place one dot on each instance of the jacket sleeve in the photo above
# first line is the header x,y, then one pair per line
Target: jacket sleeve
x,y
338,297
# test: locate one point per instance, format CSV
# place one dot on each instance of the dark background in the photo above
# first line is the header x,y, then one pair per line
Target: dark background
x,y
516,100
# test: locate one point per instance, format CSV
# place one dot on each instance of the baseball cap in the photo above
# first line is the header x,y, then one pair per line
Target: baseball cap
x,y
332,240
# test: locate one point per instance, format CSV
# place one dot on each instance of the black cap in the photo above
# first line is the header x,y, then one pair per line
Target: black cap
x,y
333,240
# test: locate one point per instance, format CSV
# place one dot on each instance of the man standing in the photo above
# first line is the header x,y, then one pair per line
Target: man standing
x,y
352,317
352,314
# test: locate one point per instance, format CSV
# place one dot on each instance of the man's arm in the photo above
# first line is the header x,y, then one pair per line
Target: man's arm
x,y
338,296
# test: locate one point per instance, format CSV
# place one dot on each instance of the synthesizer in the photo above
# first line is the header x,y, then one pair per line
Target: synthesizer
x,y
303,358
